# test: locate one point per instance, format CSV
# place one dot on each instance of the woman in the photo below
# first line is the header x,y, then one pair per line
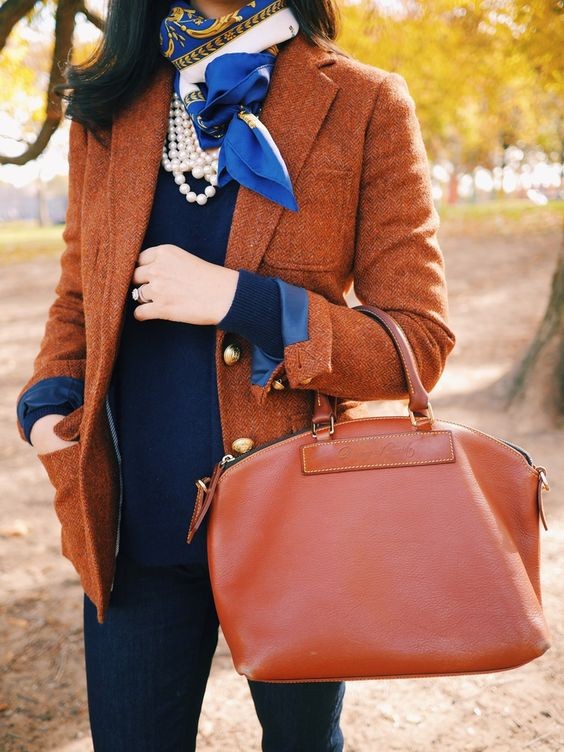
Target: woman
x,y
232,172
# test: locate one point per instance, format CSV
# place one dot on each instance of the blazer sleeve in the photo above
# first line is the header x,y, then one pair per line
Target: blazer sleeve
x,y
62,350
398,266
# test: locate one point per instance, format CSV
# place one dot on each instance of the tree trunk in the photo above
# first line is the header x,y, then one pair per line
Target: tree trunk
x,y
536,385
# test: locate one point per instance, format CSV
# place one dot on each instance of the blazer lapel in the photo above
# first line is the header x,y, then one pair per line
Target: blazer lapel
x,y
296,104
138,136
294,108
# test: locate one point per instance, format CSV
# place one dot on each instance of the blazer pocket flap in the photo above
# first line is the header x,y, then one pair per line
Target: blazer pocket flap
x,y
68,428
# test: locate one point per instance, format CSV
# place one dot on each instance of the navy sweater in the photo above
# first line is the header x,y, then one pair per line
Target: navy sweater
x,y
163,391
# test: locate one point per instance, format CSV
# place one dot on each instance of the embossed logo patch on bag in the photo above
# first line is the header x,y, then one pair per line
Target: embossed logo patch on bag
x,y
386,450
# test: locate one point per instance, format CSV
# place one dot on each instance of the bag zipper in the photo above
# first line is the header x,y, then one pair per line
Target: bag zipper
x,y
229,459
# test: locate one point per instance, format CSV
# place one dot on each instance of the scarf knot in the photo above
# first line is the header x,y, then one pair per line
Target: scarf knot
x,y
224,68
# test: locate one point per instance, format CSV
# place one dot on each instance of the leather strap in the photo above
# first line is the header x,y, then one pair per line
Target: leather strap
x,y
418,395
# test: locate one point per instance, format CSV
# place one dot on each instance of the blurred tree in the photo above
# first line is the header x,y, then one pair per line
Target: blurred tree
x,y
12,12
536,384
484,73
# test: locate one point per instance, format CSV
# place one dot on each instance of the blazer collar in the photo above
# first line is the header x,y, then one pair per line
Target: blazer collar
x,y
296,104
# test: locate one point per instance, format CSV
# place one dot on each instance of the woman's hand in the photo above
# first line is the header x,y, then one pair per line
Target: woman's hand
x,y
182,286
42,436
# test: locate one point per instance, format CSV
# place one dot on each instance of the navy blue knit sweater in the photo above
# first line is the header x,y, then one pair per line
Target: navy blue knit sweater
x,y
163,391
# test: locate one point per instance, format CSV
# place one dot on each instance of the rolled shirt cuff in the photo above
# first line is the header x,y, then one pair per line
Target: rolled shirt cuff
x,y
39,412
56,394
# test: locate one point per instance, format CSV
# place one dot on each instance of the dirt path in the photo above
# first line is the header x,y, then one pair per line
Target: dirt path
x,y
498,288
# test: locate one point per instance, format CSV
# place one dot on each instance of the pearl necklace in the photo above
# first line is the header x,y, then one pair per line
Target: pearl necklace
x,y
186,155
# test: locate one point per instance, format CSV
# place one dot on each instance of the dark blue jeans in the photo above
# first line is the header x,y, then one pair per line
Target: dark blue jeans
x,y
148,664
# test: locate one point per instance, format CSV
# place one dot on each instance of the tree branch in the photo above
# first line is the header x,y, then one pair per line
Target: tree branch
x,y
64,27
94,18
12,11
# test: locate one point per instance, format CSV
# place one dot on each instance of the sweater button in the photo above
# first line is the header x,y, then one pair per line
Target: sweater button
x,y
231,354
242,445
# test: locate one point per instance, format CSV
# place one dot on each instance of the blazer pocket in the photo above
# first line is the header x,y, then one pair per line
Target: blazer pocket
x,y
312,237
68,428
62,467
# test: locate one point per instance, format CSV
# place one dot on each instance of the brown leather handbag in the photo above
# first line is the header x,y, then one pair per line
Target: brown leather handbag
x,y
377,547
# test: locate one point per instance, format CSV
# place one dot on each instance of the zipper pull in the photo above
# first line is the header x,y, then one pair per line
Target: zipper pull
x,y
206,487
542,484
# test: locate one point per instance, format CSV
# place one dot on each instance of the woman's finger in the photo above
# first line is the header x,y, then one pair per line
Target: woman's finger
x,y
148,255
145,311
141,274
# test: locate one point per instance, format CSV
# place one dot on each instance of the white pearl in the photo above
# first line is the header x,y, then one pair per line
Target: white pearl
x,y
184,153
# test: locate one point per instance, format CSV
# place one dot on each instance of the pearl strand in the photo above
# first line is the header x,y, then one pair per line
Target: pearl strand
x,y
186,155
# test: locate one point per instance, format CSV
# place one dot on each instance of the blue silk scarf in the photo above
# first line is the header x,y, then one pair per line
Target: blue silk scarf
x,y
224,66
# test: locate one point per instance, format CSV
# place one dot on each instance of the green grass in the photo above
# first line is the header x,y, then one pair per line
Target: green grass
x,y
504,216
21,241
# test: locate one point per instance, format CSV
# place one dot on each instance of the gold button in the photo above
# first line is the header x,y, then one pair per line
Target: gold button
x,y
242,445
278,384
231,354
305,380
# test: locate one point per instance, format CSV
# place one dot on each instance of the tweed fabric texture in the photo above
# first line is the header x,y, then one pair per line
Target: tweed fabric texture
x,y
358,130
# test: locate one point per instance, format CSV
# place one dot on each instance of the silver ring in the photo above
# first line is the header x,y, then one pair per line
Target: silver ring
x,y
137,294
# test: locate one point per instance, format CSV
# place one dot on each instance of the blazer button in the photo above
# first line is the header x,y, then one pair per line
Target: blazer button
x,y
242,445
278,384
231,354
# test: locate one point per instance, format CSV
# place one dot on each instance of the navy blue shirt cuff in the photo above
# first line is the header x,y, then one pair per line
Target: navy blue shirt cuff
x,y
255,312
38,412
55,394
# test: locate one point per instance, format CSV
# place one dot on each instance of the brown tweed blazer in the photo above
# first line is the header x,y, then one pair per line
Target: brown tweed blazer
x,y
351,140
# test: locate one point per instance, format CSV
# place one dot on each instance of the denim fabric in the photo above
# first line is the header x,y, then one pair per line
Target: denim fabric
x,y
148,664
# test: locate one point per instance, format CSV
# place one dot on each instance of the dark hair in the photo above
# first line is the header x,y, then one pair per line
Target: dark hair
x,y
128,55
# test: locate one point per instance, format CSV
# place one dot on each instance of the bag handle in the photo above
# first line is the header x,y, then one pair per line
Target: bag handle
x,y
324,408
